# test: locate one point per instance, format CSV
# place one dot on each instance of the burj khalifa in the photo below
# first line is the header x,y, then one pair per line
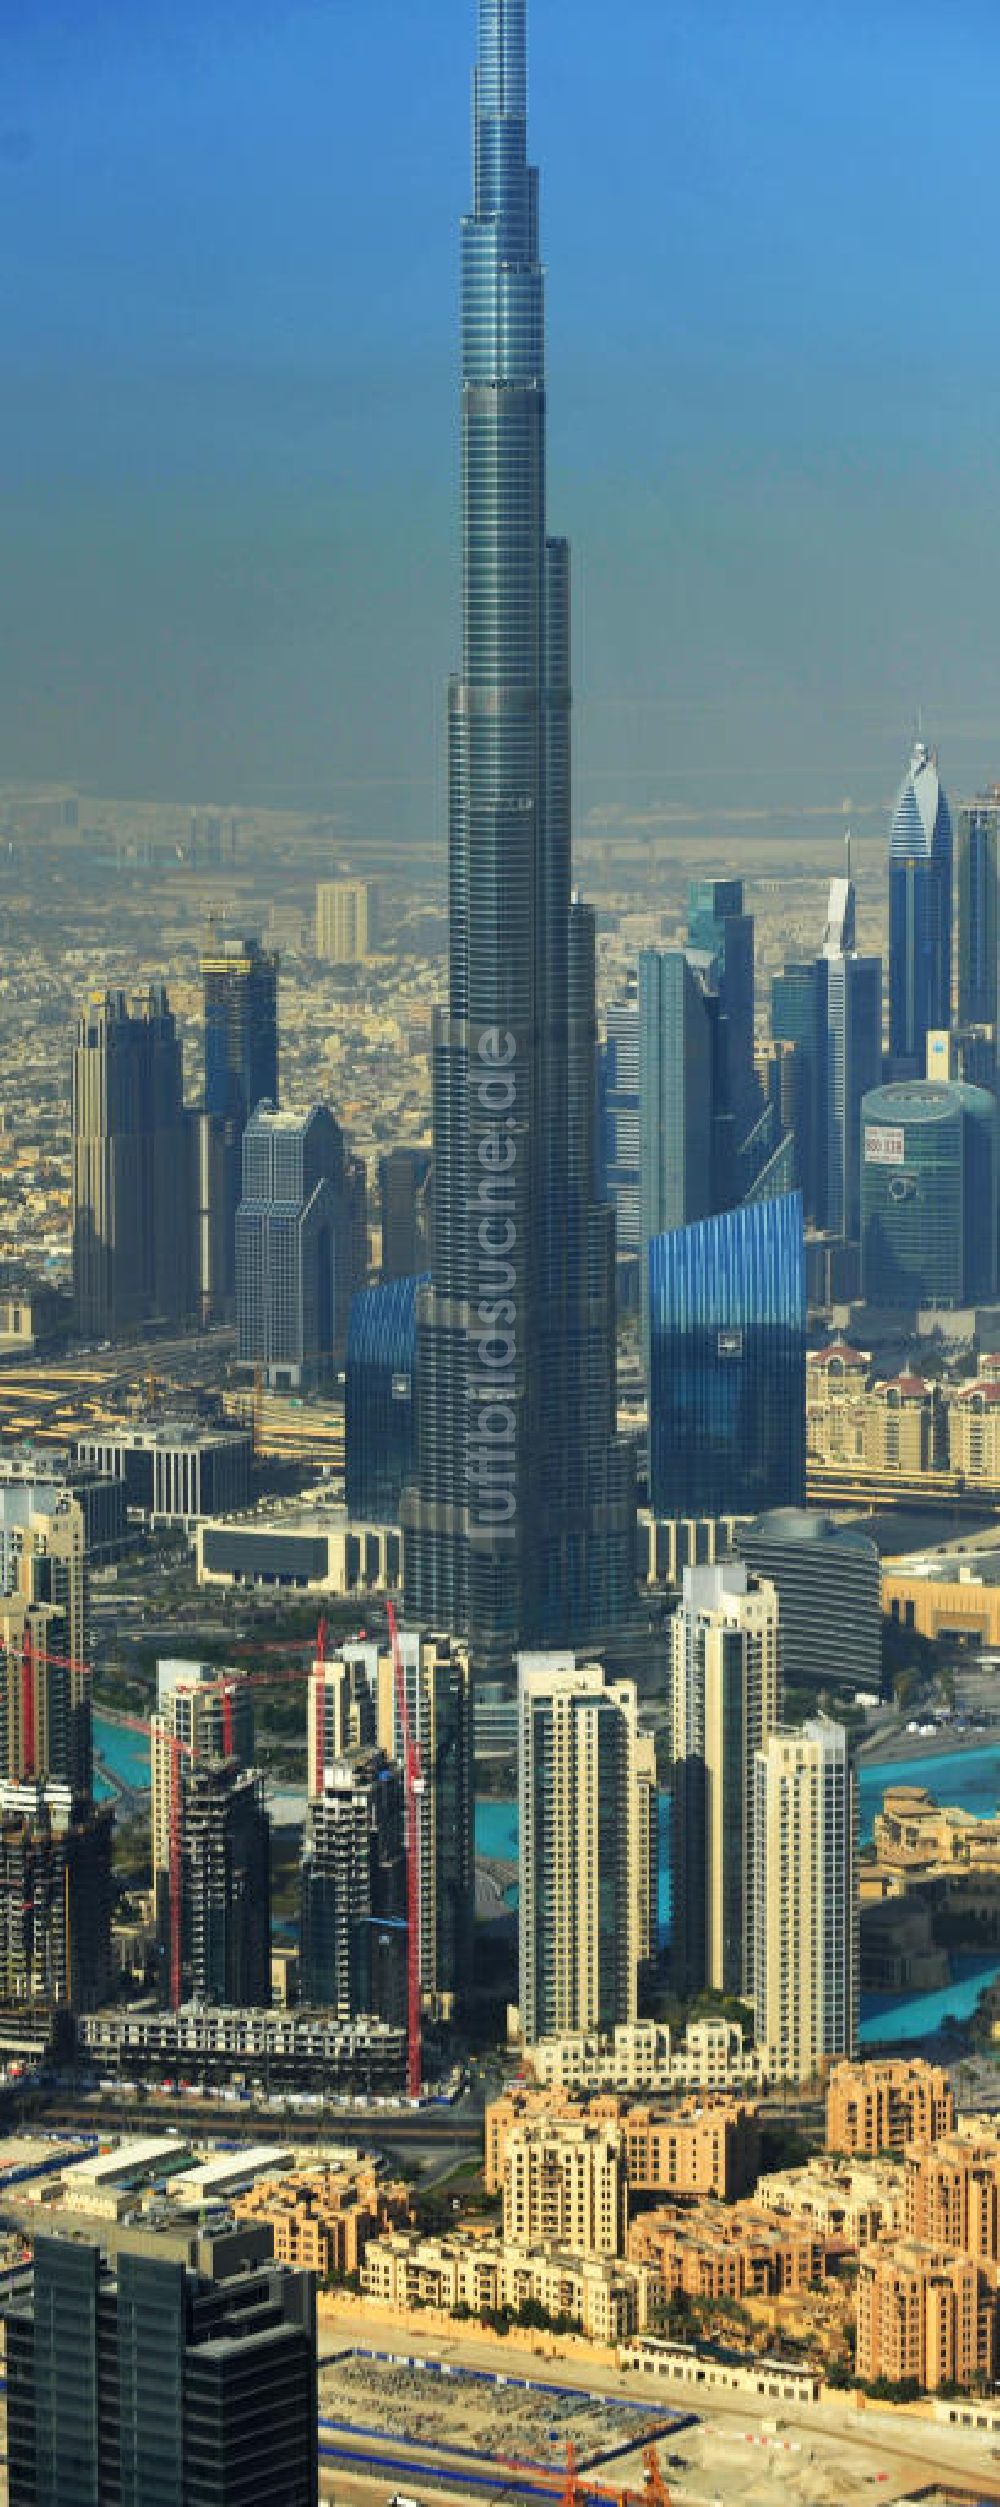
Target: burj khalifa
x,y
520,1523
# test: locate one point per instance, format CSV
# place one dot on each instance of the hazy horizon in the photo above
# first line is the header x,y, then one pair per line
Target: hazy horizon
x,y
230,427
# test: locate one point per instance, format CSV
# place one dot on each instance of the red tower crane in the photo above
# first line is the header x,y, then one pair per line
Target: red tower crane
x,y
413,1786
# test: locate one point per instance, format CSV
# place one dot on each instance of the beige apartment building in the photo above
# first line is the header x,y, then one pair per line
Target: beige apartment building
x,y
805,1887
564,2186
710,2055
952,2192
346,920
699,2147
647,1845
875,2107
322,2219
925,2313
604,2299
579,1925
844,2199
744,2252
722,1698
893,1424
972,1411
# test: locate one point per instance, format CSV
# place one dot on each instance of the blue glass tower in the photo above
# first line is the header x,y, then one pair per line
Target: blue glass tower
x,y
727,1306
379,1405
920,873
978,878
519,1524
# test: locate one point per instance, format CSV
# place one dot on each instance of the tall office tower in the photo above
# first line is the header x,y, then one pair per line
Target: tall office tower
x,y
727,1386
798,1019
43,1565
919,914
299,1257
55,1898
978,873
226,1869
620,1146
578,1921
240,984
929,1187
132,1231
520,1524
148,2382
437,1680
209,1712
720,947
342,1711
648,1842
676,1099
722,1704
853,1058
346,920
380,1400
353,1894
404,1192
805,1900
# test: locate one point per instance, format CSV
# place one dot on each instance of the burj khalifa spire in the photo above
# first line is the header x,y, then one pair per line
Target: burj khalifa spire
x,y
520,1524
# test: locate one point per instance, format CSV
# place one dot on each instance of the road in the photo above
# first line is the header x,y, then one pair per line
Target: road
x,y
446,2135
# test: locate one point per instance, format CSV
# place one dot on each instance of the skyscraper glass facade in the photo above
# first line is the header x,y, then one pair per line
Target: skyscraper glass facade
x,y
380,1399
520,1521
727,1308
675,1093
920,874
978,870
929,1194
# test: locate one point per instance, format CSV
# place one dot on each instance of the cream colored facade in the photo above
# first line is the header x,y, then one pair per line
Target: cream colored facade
x,y
873,2107
916,1838
927,2314
836,1386
585,1725
805,1885
699,2147
710,2055
858,2202
346,920
564,2186
724,1648
322,2219
193,1712
647,1844
891,1425
607,2300
962,1604
341,1711
973,1416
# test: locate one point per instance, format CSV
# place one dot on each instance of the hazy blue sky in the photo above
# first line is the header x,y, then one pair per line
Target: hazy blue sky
x,y
228,424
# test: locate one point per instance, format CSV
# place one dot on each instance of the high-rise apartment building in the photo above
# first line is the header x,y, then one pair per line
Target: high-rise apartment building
x,y
520,1524
132,1203
153,2382
346,920
380,1399
226,1872
299,1245
727,1387
353,1895
55,1898
930,1171
722,1694
920,916
978,875
437,1681
579,1819
45,1718
806,1900
342,1713
202,1712
648,1846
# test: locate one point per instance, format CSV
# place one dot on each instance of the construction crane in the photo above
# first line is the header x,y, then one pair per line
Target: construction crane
x,y
413,1786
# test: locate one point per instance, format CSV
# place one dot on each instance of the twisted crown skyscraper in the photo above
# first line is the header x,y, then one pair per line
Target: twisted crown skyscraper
x,y
520,1524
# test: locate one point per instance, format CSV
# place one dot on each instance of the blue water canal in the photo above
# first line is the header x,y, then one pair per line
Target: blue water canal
x,y
969,1779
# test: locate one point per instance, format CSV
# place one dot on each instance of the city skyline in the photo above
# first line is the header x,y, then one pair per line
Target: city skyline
x,y
786,509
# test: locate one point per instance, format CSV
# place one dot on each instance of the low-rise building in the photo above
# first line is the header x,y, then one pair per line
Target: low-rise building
x,y
709,2146
564,2186
925,2314
173,1470
323,2219
712,2368
301,2047
605,2299
859,2203
709,2252
872,2107
916,1838
646,2056
300,1552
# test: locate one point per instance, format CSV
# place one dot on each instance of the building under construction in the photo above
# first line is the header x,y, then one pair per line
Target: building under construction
x,y
55,1899
226,1878
353,1891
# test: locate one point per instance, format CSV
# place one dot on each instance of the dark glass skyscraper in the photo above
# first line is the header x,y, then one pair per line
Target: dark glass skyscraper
x,y
727,1311
379,1406
520,1523
919,915
978,873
